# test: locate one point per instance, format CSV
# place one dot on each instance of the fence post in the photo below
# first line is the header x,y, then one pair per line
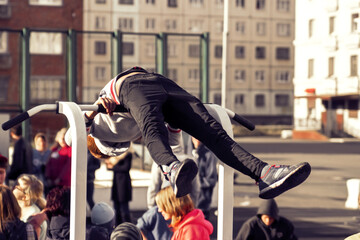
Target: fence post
x,y
25,78
161,49
204,67
71,66
117,57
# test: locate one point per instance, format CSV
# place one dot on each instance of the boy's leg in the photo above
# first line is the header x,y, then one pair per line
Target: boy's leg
x,y
188,113
144,97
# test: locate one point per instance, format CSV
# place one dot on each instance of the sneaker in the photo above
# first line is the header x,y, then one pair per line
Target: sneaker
x,y
180,176
280,178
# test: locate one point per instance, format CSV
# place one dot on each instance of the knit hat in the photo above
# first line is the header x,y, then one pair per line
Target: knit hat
x,y
126,231
102,213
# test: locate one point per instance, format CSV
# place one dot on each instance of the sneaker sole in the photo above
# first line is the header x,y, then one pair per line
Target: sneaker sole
x,y
293,179
184,177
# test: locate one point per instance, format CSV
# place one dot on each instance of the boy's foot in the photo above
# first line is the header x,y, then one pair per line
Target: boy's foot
x,y
280,178
180,176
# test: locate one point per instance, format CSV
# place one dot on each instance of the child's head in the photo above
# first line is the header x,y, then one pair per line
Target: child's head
x,y
9,207
40,142
103,215
3,167
30,190
172,207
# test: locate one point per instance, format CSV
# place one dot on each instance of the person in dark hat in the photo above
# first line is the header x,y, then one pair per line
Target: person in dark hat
x,y
267,224
126,231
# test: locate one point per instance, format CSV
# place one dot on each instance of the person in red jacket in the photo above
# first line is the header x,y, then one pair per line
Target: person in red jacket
x,y
186,221
58,168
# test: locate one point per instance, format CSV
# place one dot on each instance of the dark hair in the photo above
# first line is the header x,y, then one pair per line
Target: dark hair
x,y
17,130
58,201
9,207
4,163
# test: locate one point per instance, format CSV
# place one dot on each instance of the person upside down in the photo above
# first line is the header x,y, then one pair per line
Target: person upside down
x,y
153,100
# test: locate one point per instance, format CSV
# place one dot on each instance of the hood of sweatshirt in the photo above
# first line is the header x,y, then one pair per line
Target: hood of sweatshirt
x,y
269,207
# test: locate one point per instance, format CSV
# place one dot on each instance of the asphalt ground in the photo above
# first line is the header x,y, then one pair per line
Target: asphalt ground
x,y
316,207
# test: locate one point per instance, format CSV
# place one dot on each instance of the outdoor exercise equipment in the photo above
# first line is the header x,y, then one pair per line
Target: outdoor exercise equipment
x,y
74,114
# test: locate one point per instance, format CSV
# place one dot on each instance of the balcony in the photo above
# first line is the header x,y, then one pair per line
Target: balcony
x,y
331,43
352,40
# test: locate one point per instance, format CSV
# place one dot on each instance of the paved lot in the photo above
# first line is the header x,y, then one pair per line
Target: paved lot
x,y
317,207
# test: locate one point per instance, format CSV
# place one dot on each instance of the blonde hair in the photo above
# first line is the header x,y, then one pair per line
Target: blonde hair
x,y
177,208
9,207
34,188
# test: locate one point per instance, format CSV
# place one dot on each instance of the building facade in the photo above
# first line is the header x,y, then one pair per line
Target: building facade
x,y
260,49
326,81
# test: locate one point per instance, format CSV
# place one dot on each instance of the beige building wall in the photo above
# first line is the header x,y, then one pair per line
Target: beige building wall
x,y
249,28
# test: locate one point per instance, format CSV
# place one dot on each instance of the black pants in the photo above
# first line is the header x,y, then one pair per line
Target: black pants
x,y
153,99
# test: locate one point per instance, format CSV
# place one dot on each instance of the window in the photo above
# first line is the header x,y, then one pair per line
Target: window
x,y
46,2
194,75
100,73
150,23
283,76
126,24
196,3
218,51
282,100
172,74
128,48
194,51
283,29
260,76
219,27
331,24
3,42
4,83
100,1
127,2
240,75
331,66
172,50
196,25
150,50
150,2
172,3
239,52
261,28
217,98
310,68
260,4
240,3
354,19
259,100
45,89
100,23
170,24
283,5
218,75
46,43
260,52
353,66
282,53
240,28
100,48
311,26
219,3
239,99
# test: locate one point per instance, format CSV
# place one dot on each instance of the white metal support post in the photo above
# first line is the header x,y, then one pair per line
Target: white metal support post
x,y
226,180
78,169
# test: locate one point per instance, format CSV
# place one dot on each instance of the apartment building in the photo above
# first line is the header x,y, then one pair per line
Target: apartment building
x,y
47,22
326,81
260,49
